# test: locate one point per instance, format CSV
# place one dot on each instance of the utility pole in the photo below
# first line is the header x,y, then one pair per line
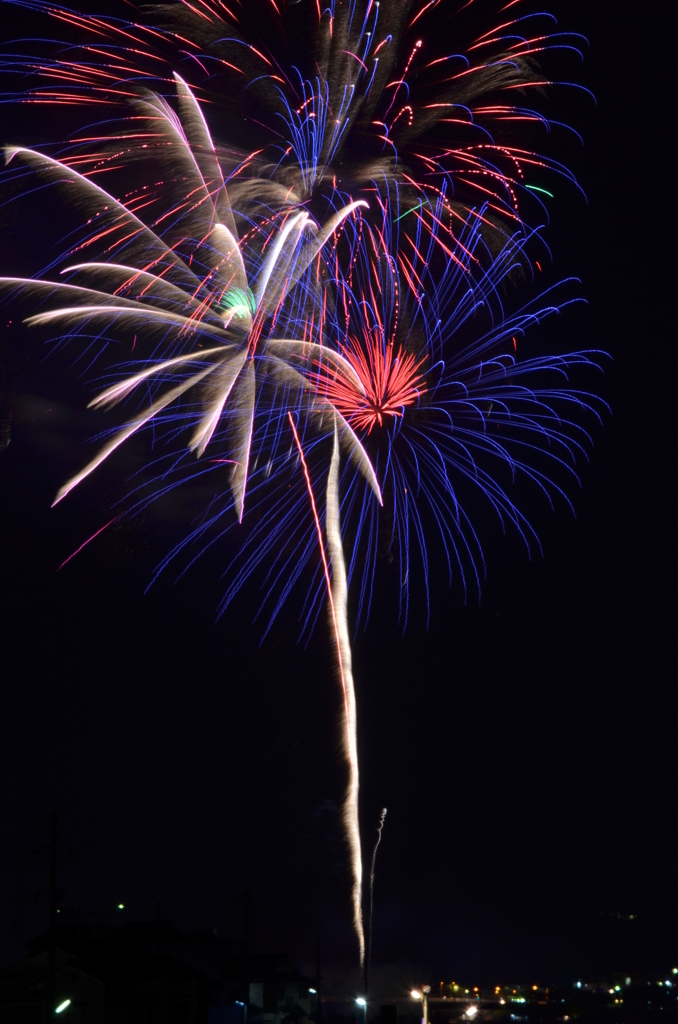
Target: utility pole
x,y
318,979
423,995
426,989
51,924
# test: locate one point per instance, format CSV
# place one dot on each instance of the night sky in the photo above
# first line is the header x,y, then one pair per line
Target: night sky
x,y
524,747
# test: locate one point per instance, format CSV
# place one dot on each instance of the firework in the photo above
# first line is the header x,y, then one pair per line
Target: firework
x,y
269,346
224,311
409,95
191,284
425,388
458,405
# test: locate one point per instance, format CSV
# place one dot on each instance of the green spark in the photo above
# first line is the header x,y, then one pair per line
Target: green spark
x,y
239,303
535,188
408,211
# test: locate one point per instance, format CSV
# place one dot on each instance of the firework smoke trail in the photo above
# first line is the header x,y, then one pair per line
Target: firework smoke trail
x,y
380,828
336,594
340,614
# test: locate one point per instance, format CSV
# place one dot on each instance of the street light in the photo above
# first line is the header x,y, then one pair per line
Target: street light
x,y
423,995
363,1002
63,1006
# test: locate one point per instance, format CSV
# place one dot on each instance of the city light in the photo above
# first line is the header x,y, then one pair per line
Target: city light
x,y
63,1006
415,994
471,1012
361,1002
312,992
121,906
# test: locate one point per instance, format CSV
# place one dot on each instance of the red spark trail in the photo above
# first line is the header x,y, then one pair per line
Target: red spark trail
x,y
326,568
77,552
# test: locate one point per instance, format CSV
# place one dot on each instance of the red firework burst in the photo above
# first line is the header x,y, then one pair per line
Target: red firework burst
x,y
391,379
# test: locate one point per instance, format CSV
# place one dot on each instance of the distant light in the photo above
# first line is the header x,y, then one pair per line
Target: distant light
x,y
121,906
415,994
579,984
360,1001
628,981
63,1006
669,983
238,1003
471,1011
312,992
675,970
535,988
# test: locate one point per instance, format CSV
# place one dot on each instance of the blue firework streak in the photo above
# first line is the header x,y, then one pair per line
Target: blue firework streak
x,y
489,418
325,91
489,415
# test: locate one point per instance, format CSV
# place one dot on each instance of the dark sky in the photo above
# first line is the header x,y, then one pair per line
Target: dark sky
x,y
525,748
